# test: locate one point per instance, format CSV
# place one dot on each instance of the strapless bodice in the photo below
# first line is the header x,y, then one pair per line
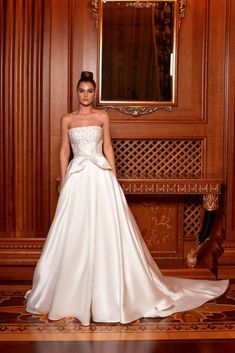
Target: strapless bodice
x,y
87,145
86,140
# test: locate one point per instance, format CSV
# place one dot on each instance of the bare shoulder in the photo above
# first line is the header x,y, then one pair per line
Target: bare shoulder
x,y
103,116
65,119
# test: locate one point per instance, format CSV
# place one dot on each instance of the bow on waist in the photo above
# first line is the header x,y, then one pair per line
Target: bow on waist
x,y
80,160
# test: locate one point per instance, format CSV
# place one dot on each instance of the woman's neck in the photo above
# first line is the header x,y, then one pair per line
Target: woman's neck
x,y
85,110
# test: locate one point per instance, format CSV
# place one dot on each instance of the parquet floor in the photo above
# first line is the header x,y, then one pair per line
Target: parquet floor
x,y
210,327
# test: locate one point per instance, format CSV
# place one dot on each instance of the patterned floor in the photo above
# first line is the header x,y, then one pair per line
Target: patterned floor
x,y
212,320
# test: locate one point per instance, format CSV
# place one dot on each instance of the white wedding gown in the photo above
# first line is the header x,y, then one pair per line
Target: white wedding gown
x,y
95,264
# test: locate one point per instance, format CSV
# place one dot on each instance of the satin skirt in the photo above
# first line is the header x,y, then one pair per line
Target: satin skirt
x,y
95,264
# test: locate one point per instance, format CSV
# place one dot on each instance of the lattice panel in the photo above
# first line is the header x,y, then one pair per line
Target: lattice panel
x,y
192,215
171,158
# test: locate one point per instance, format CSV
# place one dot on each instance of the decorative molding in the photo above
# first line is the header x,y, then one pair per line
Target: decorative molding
x,y
19,261
137,110
211,202
165,187
11,246
212,246
182,9
20,252
192,256
95,10
138,4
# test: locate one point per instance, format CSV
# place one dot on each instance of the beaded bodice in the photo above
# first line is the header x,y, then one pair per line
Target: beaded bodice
x,y
86,140
87,144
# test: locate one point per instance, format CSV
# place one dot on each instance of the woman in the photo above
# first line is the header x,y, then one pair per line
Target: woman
x,y
95,263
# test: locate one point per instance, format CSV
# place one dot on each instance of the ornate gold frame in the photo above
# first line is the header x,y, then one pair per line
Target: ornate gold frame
x,y
182,8
138,109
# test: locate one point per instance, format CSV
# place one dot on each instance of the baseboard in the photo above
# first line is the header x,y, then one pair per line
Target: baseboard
x,y
16,273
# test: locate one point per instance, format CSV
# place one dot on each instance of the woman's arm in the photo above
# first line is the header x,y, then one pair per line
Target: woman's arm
x,y
108,148
64,149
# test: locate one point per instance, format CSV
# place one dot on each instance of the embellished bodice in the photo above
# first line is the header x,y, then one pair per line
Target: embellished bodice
x,y
87,144
86,140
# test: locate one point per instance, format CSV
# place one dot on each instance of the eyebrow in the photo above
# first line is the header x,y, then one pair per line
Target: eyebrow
x,y
89,89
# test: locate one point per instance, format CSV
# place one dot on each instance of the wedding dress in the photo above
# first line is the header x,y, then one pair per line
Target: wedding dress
x,y
95,264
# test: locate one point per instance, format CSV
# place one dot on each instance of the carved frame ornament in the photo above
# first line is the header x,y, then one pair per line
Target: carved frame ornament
x,y
138,110
182,7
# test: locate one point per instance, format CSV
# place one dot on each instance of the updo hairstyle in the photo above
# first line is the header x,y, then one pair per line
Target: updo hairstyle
x,y
86,76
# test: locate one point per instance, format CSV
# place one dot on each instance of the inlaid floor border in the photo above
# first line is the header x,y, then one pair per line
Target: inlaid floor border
x,y
212,320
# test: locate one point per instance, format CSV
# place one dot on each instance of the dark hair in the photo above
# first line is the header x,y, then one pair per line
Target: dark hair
x,y
86,76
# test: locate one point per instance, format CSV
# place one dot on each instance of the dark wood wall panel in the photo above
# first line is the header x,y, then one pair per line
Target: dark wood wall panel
x,y
7,148
73,49
227,261
24,120
230,122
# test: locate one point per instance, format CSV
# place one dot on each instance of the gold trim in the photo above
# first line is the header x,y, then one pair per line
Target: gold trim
x,y
211,202
192,257
141,4
165,187
137,110
94,4
182,8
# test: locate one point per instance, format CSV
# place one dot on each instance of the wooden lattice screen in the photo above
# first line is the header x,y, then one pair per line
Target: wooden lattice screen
x,y
169,158
164,158
192,215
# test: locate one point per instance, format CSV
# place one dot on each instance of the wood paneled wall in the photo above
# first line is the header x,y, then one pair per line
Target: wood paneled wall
x,y
226,266
25,123
44,47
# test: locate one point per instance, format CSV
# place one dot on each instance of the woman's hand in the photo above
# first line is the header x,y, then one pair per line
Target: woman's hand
x,y
61,184
64,148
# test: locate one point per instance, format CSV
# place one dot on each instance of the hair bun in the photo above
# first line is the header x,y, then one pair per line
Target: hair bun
x,y
86,75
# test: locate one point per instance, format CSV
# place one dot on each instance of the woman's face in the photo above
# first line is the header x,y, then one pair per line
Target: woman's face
x,y
86,93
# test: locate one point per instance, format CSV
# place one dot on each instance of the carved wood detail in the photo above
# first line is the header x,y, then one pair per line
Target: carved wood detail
x,y
172,158
211,202
157,223
192,216
170,186
21,251
160,223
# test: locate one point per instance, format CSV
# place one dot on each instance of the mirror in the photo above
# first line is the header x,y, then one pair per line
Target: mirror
x,y
138,54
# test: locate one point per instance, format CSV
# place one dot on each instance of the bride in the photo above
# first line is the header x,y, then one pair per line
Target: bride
x,y
95,264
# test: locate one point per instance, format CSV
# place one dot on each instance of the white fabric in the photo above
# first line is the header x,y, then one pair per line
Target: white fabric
x,y
95,263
